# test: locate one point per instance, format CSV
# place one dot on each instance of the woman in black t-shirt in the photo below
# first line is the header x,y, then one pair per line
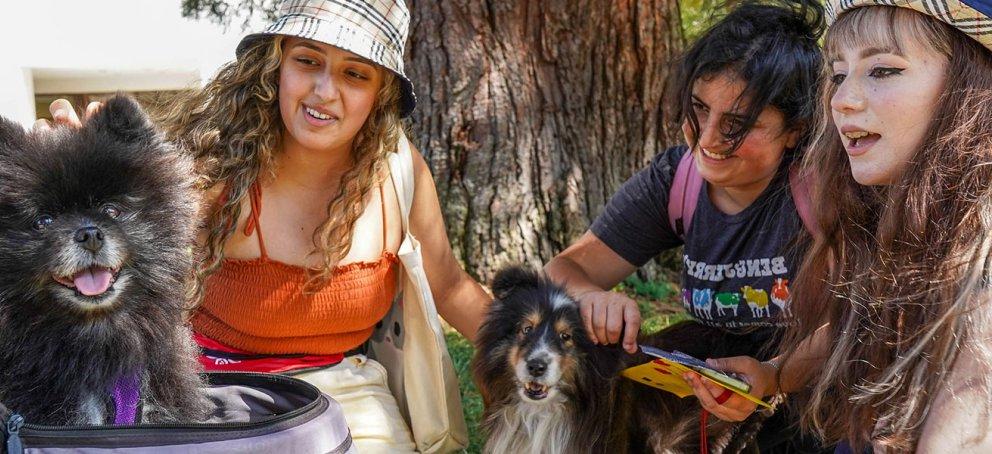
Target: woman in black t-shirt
x,y
746,91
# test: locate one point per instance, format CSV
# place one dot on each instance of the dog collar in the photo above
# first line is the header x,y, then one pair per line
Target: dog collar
x,y
126,395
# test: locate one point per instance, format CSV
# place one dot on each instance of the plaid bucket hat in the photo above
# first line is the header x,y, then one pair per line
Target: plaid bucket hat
x,y
970,16
373,29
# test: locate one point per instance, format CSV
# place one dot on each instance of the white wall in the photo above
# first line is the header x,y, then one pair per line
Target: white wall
x,y
84,46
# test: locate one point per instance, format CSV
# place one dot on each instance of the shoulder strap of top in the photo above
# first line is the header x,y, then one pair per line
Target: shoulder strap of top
x,y
798,184
252,224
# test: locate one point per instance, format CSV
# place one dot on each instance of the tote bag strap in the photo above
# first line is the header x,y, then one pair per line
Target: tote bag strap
x,y
429,379
401,169
401,172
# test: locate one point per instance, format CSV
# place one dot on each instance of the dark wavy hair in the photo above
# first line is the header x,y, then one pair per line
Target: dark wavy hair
x,y
772,47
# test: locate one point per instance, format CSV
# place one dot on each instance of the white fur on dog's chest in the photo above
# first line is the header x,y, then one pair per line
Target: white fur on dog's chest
x,y
531,428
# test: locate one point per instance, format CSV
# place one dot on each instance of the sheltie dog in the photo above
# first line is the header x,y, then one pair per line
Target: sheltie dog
x,y
548,388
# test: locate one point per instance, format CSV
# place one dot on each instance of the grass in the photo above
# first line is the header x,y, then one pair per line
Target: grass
x,y
461,354
659,304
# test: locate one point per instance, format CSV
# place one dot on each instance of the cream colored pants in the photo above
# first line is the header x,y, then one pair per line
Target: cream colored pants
x,y
359,385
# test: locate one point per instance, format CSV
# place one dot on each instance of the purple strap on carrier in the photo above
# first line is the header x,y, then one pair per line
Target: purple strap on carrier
x,y
687,185
126,394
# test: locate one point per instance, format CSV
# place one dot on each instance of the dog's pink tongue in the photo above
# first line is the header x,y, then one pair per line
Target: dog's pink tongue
x,y
92,281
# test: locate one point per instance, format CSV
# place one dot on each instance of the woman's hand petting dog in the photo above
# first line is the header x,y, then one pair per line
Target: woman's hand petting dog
x,y
761,377
607,314
64,115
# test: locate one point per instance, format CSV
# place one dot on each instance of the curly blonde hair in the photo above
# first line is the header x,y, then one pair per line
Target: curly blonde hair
x,y
233,129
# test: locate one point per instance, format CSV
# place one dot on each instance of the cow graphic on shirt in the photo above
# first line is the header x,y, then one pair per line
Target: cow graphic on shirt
x,y
727,301
702,301
757,300
781,296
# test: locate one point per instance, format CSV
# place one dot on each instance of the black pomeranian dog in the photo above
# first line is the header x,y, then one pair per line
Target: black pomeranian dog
x,y
96,229
548,388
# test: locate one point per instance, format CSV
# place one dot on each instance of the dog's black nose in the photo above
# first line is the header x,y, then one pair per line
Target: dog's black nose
x,y
536,367
90,238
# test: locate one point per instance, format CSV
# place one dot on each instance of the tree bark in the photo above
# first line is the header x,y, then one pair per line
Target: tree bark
x,y
532,113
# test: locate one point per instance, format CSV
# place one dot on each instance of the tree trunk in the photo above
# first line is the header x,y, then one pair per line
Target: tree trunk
x,y
532,113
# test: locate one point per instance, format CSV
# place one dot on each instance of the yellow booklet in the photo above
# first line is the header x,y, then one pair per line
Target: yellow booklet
x,y
665,372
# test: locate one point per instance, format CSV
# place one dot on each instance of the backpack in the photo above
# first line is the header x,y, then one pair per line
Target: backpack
x,y
687,185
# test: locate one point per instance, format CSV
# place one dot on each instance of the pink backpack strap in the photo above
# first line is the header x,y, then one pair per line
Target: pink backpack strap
x,y
799,185
684,195
687,184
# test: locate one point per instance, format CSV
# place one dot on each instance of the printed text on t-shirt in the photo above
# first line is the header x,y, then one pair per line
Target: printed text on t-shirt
x,y
762,267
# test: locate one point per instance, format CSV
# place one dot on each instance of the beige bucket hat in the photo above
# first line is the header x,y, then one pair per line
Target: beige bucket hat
x,y
373,29
970,16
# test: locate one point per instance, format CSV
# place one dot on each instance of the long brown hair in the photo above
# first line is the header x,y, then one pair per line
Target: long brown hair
x,y
234,130
897,270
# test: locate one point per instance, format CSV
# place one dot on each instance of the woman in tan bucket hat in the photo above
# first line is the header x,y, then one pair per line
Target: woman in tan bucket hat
x,y
297,139
314,199
893,299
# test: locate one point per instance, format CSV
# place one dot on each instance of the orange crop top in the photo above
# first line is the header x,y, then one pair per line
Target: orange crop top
x,y
259,305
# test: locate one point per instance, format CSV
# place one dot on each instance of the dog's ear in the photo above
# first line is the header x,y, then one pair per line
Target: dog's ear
x,y
511,279
13,146
11,136
123,118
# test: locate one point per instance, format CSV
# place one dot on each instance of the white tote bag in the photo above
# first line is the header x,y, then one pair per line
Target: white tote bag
x,y
410,341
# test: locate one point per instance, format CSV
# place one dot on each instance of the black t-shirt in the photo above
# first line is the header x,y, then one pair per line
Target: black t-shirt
x,y
737,268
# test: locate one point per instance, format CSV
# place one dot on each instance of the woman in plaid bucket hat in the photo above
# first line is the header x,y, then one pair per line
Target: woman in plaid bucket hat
x,y
303,123
894,315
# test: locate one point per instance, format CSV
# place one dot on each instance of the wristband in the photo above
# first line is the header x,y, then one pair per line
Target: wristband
x,y
772,362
